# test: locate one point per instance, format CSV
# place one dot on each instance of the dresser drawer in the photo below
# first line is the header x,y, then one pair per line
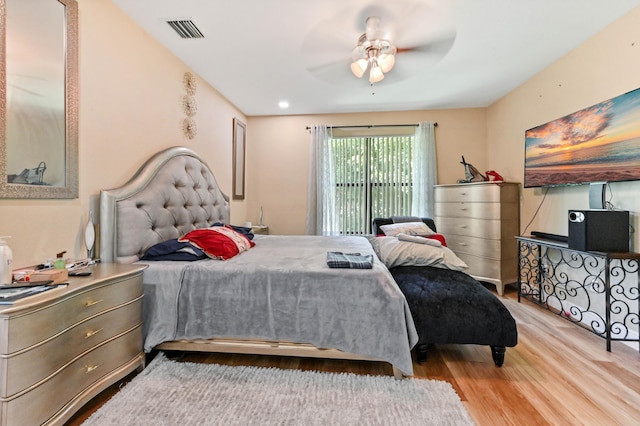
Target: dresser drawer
x,y
36,407
487,248
459,226
38,325
27,368
477,210
487,193
481,266
492,229
473,245
491,270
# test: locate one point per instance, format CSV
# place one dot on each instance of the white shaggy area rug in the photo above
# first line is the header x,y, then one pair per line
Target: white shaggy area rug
x,y
182,393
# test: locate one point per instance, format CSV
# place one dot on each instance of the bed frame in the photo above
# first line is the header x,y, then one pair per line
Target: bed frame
x,y
173,193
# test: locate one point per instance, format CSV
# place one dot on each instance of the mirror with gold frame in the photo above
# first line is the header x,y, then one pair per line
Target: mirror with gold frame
x,y
39,99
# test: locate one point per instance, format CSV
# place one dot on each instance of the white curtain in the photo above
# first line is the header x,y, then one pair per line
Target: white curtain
x,y
321,216
424,170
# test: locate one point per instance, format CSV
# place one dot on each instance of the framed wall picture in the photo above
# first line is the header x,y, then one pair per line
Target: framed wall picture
x,y
239,153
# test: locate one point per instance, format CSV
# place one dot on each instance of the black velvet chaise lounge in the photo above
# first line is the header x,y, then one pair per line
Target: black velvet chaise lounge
x,y
451,307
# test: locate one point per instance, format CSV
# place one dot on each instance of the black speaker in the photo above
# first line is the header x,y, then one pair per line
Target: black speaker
x,y
599,230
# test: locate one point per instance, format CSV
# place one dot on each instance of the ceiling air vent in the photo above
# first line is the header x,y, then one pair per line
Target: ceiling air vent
x,y
186,29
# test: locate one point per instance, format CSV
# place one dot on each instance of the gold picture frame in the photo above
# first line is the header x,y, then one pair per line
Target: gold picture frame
x,y
239,154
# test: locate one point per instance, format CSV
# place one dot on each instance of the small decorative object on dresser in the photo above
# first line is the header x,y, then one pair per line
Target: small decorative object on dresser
x,y
480,222
60,348
260,229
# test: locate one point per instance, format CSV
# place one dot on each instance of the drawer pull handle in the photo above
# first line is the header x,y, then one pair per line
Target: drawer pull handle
x,y
91,368
92,333
463,244
93,302
463,226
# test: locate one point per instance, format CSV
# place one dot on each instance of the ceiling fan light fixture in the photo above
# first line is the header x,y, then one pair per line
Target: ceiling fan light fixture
x,y
359,67
376,74
373,52
386,62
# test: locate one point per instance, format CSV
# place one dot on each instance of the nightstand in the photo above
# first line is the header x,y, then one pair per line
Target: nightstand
x,y
60,348
260,229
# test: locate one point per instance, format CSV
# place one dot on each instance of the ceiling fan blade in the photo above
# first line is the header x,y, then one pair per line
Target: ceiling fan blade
x,y
335,72
435,46
327,44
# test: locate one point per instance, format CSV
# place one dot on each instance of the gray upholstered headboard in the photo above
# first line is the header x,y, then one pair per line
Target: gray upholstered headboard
x,y
173,193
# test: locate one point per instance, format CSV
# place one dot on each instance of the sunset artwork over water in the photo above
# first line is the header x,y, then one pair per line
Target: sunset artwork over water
x,y
599,143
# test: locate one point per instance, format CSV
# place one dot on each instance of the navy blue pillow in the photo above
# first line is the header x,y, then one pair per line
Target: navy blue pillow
x,y
174,250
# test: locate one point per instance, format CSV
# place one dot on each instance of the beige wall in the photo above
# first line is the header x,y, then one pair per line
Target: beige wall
x,y
278,157
605,66
130,107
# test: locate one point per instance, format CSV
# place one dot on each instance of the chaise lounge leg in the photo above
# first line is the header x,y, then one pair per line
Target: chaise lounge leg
x,y
497,352
421,352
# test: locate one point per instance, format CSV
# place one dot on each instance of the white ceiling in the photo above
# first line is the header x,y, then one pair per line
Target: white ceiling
x,y
259,52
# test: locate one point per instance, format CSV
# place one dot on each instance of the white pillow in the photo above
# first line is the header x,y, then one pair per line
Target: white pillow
x,y
393,252
409,228
419,240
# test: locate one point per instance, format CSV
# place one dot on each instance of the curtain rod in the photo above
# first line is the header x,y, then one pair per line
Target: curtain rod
x,y
370,126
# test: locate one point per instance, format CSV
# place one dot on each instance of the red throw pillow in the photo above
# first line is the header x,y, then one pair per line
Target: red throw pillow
x,y
438,237
219,242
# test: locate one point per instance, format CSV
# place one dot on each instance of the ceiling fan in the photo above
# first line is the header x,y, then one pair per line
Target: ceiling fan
x,y
373,52
406,36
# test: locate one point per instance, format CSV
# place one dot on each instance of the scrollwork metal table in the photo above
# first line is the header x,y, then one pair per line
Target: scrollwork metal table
x,y
598,291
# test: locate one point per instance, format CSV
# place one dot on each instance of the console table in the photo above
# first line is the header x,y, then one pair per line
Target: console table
x,y
598,291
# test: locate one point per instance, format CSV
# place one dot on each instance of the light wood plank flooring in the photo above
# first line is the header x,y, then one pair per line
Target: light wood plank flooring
x,y
558,374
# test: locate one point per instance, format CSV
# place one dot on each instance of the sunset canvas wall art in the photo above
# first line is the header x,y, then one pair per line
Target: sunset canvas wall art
x,y
595,144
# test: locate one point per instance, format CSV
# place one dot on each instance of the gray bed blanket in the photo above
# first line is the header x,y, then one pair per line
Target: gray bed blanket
x,y
283,290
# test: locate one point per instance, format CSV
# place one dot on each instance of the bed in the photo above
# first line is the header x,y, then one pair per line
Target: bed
x,y
448,306
278,297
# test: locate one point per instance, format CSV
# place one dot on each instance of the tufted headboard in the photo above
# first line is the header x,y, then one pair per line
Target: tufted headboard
x,y
172,193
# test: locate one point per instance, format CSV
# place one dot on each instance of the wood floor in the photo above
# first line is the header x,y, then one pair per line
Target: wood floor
x,y
558,374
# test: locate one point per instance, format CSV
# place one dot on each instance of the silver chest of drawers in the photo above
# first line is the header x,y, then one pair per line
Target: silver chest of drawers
x,y
60,348
480,222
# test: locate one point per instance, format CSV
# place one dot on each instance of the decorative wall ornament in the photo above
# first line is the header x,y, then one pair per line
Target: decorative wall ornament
x,y
189,106
189,127
190,84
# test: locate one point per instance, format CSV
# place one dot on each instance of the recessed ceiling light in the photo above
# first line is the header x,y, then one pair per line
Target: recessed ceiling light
x,y
283,104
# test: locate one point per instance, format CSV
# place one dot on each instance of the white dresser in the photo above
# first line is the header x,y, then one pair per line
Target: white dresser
x,y
480,222
60,348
